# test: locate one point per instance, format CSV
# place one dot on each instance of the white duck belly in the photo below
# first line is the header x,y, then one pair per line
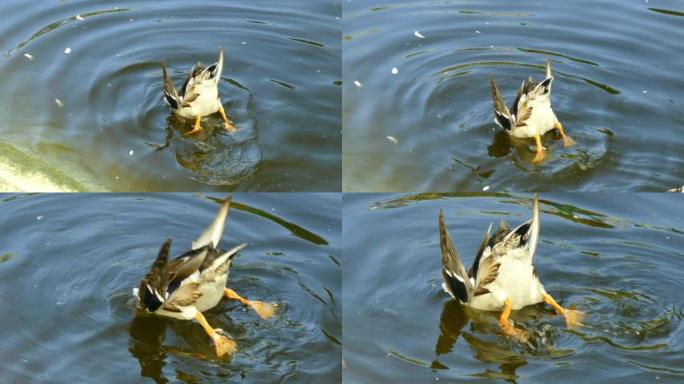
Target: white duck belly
x,y
205,104
516,280
541,120
212,293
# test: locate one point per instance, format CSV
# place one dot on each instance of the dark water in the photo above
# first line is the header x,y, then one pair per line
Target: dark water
x,y
617,91
617,257
280,84
68,264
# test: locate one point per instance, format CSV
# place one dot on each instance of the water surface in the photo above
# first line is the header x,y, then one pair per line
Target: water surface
x,y
617,91
617,257
82,89
68,263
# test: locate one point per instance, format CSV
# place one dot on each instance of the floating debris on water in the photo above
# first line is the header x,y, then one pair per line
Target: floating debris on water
x,y
39,218
393,139
131,152
418,35
67,50
6,257
79,17
395,70
485,188
358,83
59,103
28,56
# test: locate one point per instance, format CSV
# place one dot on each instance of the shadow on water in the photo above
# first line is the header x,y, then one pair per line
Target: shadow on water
x,y
146,338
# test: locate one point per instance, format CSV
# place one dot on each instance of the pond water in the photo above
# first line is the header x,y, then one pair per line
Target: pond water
x,y
68,263
619,258
82,88
418,73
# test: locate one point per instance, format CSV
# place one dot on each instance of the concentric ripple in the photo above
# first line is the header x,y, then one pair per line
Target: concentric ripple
x,y
418,110
618,258
68,264
88,76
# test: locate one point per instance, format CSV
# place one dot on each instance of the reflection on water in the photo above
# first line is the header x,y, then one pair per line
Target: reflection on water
x,y
87,76
68,264
616,257
419,73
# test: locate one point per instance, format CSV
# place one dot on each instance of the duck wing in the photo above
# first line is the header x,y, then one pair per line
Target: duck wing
x,y
186,264
171,96
522,105
487,268
152,290
456,282
188,91
472,273
502,115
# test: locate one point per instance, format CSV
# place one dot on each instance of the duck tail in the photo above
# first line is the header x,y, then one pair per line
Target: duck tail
x,y
170,94
548,69
502,115
212,234
456,281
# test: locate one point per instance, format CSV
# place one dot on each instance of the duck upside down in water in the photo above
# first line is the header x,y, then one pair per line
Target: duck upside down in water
x,y
531,115
503,276
195,282
199,94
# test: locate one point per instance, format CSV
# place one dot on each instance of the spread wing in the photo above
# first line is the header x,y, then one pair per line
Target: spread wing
x,y
486,268
522,107
185,265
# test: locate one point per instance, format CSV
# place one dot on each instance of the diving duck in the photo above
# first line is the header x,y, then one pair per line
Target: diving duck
x,y
530,115
199,94
195,282
503,276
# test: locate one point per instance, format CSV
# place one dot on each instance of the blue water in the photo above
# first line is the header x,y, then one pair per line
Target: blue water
x,y
68,263
617,257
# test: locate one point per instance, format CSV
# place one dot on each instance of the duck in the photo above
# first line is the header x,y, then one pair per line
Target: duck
x,y
195,282
503,276
199,95
530,115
